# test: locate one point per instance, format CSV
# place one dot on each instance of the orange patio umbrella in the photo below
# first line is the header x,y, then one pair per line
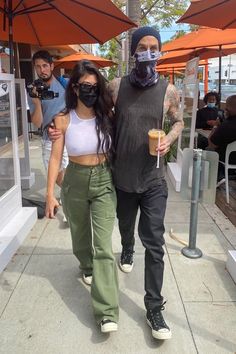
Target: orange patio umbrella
x,y
52,22
171,69
204,37
69,61
171,72
179,56
176,66
211,13
61,48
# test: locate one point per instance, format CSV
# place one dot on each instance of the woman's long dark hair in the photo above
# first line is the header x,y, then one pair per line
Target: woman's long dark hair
x,y
102,107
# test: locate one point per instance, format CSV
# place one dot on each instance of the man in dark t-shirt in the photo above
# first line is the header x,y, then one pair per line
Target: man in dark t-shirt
x,y
225,134
142,101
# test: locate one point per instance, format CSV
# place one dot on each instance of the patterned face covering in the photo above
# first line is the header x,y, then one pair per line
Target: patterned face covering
x,y
144,74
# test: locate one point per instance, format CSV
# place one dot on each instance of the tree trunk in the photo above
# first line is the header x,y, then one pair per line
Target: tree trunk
x,y
134,13
120,57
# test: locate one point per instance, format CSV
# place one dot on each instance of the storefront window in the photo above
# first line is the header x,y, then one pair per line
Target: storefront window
x,y
19,121
7,178
189,102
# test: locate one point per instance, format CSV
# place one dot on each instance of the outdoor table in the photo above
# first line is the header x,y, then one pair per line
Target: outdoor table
x,y
204,132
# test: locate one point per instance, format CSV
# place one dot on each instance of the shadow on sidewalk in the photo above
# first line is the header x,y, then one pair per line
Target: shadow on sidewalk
x,y
61,271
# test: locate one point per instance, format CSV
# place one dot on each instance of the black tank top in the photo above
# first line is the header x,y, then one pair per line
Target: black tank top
x,y
137,110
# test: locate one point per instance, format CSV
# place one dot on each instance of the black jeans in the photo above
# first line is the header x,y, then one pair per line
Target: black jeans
x,y
152,204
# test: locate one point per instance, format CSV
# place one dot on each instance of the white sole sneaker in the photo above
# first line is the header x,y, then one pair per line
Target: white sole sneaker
x,y
109,327
162,334
87,279
64,219
126,268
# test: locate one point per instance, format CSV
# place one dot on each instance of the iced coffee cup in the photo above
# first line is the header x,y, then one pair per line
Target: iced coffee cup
x,y
154,135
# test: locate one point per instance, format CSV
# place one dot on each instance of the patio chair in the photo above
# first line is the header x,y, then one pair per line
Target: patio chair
x,y
230,148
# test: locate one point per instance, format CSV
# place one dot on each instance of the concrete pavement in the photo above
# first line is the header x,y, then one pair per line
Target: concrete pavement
x,y
46,308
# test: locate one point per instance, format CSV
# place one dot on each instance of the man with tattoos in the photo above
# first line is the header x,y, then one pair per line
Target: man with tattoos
x,y
142,101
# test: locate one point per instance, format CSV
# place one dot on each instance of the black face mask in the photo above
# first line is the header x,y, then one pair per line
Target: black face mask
x,y
88,94
88,99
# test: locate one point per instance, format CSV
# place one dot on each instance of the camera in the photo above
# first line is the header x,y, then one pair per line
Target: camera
x,y
42,89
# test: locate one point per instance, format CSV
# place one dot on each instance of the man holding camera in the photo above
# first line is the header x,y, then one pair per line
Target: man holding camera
x,y
46,98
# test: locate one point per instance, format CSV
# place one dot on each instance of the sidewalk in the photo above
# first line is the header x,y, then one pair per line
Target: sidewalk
x,y
45,308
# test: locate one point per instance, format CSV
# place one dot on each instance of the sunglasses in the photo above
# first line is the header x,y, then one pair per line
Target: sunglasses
x,y
87,88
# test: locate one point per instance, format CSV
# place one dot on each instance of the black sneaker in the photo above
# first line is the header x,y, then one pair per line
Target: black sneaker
x,y
126,260
155,320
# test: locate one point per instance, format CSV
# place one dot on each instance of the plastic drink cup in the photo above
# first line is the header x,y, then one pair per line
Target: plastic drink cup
x,y
155,136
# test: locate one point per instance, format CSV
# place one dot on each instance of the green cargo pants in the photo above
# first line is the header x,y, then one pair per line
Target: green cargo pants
x,y
89,202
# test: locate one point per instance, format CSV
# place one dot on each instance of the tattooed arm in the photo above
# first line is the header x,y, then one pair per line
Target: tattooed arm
x,y
113,87
172,111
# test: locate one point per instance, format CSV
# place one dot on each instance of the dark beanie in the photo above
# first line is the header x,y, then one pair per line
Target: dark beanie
x,y
142,32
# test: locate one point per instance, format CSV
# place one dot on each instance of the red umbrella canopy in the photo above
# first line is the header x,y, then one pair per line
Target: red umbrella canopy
x,y
179,56
211,13
176,66
204,37
69,61
51,22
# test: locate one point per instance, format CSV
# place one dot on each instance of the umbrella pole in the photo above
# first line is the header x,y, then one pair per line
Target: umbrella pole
x,y
11,49
220,64
206,79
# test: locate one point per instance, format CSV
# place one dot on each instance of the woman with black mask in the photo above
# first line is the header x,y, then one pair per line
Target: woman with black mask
x,y
88,195
208,117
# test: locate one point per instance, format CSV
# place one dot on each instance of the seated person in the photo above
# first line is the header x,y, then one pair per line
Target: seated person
x,y
208,117
225,134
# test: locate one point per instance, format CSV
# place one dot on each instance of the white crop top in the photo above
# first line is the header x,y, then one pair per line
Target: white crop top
x,y
81,136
